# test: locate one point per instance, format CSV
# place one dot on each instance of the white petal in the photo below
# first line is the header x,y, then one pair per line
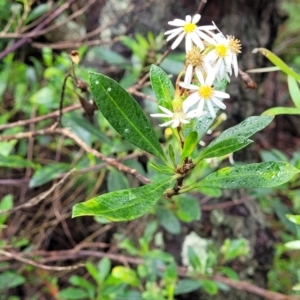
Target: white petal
x,y
188,75
178,40
177,22
235,65
189,86
171,36
200,108
211,109
174,30
166,124
205,37
167,111
219,103
183,121
190,101
159,115
200,77
175,123
220,94
196,18
207,27
188,42
210,78
211,57
217,28
188,19
191,114
196,39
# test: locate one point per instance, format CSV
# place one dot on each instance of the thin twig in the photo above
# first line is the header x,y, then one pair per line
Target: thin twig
x,y
17,257
39,27
67,132
37,199
250,84
40,118
50,256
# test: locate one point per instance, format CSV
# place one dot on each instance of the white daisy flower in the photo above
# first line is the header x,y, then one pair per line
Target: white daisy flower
x,y
224,56
187,28
195,61
205,93
177,117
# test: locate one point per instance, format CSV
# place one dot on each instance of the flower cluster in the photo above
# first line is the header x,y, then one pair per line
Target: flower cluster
x,y
210,56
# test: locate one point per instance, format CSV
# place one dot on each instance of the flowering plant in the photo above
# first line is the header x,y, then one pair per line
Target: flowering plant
x,y
189,110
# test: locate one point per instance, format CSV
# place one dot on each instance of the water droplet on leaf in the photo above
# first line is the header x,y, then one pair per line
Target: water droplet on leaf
x,y
109,89
97,82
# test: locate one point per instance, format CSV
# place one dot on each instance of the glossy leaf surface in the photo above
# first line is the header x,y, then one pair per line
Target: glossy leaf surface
x,y
124,113
267,174
123,205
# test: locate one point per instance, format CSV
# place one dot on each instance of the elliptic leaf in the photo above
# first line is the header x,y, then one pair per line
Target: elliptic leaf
x,y
191,141
162,86
236,137
123,205
48,173
124,113
267,174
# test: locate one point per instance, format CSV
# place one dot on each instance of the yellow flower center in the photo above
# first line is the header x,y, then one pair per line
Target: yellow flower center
x,y
190,27
221,50
205,91
234,45
195,57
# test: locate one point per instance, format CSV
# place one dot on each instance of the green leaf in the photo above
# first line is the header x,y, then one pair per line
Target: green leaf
x,y
92,270
194,259
83,128
294,245
116,181
168,220
161,168
281,111
224,147
172,154
211,192
104,268
231,249
71,293
294,218
5,204
109,56
83,283
14,161
48,173
162,87
188,208
294,90
10,280
267,174
209,286
190,142
236,137
149,231
37,12
123,205
229,272
127,275
277,62
185,286
124,114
